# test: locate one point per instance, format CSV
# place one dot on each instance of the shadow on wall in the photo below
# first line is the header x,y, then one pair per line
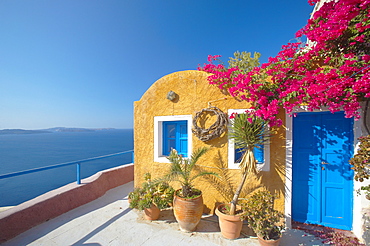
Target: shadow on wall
x,y
229,179
274,180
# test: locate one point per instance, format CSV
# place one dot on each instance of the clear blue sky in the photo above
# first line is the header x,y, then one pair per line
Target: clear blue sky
x,y
82,63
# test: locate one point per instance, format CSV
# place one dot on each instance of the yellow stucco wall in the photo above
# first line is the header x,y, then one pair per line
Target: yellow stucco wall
x,y
194,94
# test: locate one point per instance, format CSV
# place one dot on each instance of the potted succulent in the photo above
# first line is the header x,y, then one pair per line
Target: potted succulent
x,y
188,201
261,216
248,132
151,197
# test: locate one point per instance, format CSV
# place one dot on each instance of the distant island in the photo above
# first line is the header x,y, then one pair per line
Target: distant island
x,y
65,129
51,130
21,131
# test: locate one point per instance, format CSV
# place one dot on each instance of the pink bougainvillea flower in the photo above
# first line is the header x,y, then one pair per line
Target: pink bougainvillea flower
x,y
333,71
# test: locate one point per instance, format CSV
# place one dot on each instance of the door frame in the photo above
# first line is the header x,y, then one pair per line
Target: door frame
x,y
357,207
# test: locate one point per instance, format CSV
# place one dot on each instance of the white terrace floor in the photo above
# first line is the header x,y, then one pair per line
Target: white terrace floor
x,y
109,221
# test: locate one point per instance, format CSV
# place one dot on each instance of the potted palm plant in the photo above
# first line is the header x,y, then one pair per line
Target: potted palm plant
x,y
248,132
188,201
151,197
261,216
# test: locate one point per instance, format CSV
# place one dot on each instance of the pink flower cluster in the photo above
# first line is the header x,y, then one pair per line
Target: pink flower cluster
x,y
332,72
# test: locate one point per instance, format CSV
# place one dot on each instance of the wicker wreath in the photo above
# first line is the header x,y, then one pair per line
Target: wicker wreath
x,y
215,130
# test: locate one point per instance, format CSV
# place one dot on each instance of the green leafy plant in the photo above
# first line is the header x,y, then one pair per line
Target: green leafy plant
x,y
157,193
248,132
261,216
361,163
244,61
182,170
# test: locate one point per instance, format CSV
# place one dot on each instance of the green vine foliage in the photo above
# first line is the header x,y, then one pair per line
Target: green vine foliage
x,y
361,163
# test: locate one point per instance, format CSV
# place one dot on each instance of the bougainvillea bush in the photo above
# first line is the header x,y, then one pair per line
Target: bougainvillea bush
x,y
331,70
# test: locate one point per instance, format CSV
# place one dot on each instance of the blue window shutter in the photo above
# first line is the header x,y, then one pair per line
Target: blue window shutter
x,y
183,138
258,154
175,136
238,155
169,137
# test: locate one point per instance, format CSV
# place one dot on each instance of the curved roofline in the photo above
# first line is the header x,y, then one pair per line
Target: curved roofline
x,y
170,74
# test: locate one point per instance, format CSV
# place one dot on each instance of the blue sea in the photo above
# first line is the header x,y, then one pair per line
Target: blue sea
x,y
26,151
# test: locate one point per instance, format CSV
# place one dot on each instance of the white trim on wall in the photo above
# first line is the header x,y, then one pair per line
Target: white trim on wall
x,y
359,202
158,133
231,149
288,170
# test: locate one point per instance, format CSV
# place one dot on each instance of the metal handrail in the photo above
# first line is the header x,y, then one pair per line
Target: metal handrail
x,y
78,165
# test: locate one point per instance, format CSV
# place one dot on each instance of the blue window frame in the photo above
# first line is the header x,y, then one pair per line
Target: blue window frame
x,y
175,136
258,154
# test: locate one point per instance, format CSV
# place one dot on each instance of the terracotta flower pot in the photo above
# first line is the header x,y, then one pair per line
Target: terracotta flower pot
x,y
264,242
230,225
188,212
151,213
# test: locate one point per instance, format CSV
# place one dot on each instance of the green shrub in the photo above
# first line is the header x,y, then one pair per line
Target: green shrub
x,y
261,216
157,193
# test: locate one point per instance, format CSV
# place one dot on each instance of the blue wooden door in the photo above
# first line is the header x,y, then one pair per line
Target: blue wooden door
x,y
322,190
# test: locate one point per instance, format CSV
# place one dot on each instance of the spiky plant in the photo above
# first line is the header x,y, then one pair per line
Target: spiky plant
x,y
224,183
248,132
182,170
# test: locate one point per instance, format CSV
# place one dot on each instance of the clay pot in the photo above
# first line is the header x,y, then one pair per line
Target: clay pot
x,y
151,213
264,242
230,225
188,212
